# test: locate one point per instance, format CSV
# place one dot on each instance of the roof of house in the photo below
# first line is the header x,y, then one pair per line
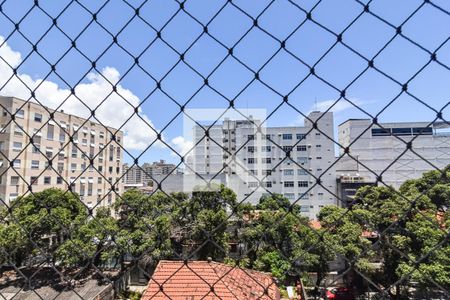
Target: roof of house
x,y
194,279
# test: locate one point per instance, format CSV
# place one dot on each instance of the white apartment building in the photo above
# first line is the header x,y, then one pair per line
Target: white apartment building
x,y
376,147
254,161
60,154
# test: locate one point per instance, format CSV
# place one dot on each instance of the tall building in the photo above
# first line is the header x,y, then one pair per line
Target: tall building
x,y
132,175
250,157
144,174
38,151
382,150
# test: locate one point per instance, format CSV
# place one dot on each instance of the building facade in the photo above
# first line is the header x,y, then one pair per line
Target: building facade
x,y
38,152
260,160
382,150
147,172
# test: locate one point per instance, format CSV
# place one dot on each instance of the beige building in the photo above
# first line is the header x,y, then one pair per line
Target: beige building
x,y
60,154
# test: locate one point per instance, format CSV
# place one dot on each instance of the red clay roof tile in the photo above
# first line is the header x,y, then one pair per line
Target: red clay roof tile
x,y
176,280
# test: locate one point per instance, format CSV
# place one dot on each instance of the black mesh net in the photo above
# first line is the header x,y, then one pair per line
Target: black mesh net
x,y
251,204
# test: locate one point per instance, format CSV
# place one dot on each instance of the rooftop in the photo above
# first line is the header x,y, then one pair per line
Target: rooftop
x,y
208,280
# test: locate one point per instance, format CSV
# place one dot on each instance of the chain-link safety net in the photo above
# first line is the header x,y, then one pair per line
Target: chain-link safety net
x,y
350,205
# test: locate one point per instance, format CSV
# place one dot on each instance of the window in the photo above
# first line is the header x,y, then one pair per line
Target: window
x,y
102,134
288,184
301,148
47,180
18,130
401,131
423,131
17,146
253,184
304,208
49,152
37,117
34,164
287,136
59,180
251,149
301,136
82,188
111,152
287,148
62,136
267,172
381,131
60,167
288,172
268,184
318,146
36,148
319,157
252,160
14,180
34,180
74,152
99,180
302,160
301,172
267,160
289,196
20,113
303,196
251,137
266,149
100,168
110,169
254,172
303,183
73,167
50,132
90,185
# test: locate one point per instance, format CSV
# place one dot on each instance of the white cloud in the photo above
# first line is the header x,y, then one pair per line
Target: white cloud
x,y
182,145
114,111
341,105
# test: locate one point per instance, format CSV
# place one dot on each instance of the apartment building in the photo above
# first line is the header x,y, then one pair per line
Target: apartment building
x,y
382,150
283,160
38,151
147,172
132,175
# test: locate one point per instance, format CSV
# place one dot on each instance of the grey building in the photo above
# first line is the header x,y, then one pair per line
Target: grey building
x,y
144,174
382,150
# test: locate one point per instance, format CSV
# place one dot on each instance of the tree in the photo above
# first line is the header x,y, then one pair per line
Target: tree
x,y
411,225
144,227
91,243
203,220
281,241
38,224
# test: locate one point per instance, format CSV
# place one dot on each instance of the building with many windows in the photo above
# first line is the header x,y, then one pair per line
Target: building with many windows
x,y
42,148
147,172
393,152
257,160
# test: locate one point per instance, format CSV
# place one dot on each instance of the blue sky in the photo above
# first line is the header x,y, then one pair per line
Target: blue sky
x,y
400,60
